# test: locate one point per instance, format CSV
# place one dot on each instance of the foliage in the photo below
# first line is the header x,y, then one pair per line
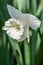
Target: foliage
x,y
23,53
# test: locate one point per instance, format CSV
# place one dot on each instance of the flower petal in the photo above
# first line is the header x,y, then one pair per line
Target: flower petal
x,y
14,13
25,35
4,28
34,22
13,33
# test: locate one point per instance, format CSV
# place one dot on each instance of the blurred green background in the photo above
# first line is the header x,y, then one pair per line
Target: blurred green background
x,y
23,53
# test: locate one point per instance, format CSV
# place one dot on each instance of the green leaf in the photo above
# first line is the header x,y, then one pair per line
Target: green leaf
x,y
41,28
3,10
3,13
3,17
16,51
27,5
33,6
2,55
37,48
37,44
4,38
22,5
32,46
39,10
8,54
39,56
26,52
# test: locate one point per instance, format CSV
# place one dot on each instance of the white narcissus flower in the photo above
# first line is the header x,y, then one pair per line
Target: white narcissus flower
x,y
14,28
18,26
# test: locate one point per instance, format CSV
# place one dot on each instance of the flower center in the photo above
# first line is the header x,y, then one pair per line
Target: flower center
x,y
15,25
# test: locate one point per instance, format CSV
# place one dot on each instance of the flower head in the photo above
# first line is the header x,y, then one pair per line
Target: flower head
x,y
14,28
18,26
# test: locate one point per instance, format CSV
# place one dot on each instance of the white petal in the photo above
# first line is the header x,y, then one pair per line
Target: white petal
x,y
4,28
13,33
25,35
7,22
33,21
14,13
